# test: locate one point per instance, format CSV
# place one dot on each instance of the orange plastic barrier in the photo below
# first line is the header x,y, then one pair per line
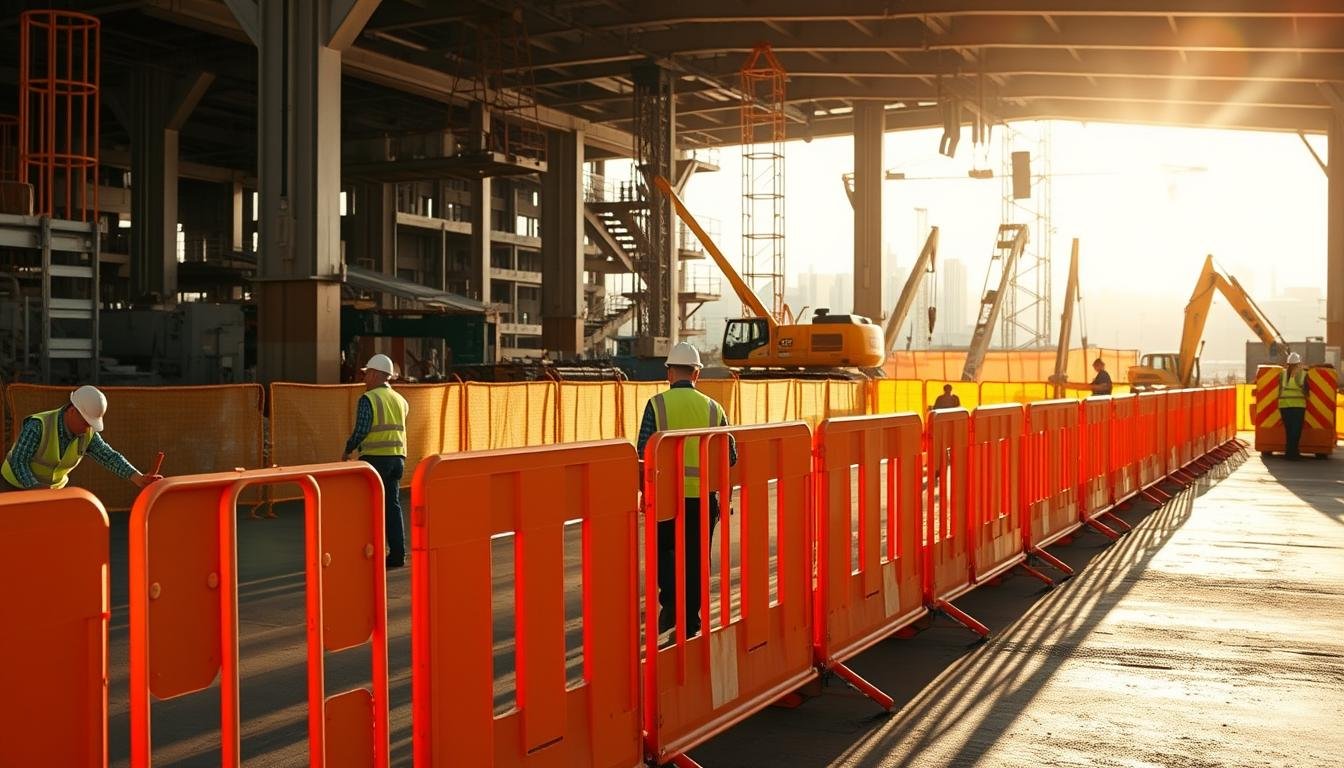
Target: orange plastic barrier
x,y
184,603
1052,471
858,604
199,429
758,647
994,509
1180,441
1319,430
1125,457
1150,426
948,550
53,650
1096,492
529,493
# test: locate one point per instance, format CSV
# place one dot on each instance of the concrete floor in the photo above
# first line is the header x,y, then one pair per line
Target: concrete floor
x,y
1210,636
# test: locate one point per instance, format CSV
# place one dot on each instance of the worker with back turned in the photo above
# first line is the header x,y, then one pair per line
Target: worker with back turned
x,y
52,443
1101,385
380,438
1293,404
682,406
947,400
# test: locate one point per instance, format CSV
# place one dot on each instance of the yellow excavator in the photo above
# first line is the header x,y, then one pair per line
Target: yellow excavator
x,y
831,346
1169,370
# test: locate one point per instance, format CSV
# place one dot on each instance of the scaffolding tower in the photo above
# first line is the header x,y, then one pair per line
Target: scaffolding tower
x,y
1027,317
654,146
763,177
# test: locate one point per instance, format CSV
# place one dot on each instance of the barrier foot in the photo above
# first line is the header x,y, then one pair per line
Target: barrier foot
x,y
683,761
1032,571
788,701
862,686
1117,522
1103,529
1156,495
1051,560
961,617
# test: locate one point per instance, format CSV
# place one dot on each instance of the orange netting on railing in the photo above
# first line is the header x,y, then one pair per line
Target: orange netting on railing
x,y
589,411
199,430
1007,365
634,396
513,415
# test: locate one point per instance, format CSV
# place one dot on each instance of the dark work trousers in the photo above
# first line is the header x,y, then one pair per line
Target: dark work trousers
x,y
390,468
667,564
1292,428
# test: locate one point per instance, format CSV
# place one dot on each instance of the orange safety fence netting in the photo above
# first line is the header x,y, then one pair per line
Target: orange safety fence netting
x,y
898,396
846,398
1008,365
199,430
634,396
589,411
515,415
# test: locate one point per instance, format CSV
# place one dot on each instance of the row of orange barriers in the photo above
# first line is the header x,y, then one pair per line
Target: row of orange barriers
x,y
843,537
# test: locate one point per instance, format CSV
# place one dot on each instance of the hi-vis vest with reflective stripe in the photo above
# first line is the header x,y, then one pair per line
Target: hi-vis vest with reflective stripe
x,y
387,436
687,408
1293,390
49,465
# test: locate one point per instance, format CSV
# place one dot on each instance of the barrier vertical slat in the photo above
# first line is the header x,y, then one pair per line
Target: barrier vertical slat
x,y
1052,431
53,656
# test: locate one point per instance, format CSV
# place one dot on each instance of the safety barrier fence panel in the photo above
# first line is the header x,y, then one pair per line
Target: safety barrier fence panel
x,y
994,501
587,411
1245,394
1094,458
1151,428
995,392
634,396
766,402
184,603
846,398
1199,423
1319,419
53,650
199,429
867,471
755,643
898,396
947,546
1125,456
967,391
529,494
1052,470
725,393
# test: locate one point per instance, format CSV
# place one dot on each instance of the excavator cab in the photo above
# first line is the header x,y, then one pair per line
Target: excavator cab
x,y
745,335
1160,370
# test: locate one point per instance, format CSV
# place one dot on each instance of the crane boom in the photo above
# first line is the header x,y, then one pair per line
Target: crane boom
x,y
740,287
1197,314
924,264
1012,238
1066,324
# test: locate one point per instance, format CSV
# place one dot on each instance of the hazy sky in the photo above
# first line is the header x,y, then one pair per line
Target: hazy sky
x,y
1147,204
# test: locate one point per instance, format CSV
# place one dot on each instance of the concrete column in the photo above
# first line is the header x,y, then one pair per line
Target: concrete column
x,y
562,302
241,206
1334,260
299,265
868,124
482,214
160,105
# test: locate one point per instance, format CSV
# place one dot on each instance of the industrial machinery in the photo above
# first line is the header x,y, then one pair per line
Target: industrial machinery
x,y
924,265
1012,238
826,347
195,343
1162,370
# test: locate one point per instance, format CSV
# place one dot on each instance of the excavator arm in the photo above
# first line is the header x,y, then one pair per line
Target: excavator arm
x,y
1197,314
923,265
1066,325
740,287
1010,241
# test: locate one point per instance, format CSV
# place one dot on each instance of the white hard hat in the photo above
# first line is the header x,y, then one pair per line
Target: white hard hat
x,y
1294,358
91,404
380,363
684,354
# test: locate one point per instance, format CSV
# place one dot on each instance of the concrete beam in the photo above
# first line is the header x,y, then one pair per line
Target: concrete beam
x,y
188,95
1334,254
247,15
346,20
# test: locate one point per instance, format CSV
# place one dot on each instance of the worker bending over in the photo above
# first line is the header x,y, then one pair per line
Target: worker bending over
x,y
683,407
380,438
1293,404
52,443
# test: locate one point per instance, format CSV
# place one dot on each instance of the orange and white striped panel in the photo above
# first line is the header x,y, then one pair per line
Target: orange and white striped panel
x,y
1265,410
1321,385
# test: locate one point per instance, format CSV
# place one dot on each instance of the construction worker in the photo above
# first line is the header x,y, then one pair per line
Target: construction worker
x,y
380,438
1101,385
1293,404
946,400
683,407
52,443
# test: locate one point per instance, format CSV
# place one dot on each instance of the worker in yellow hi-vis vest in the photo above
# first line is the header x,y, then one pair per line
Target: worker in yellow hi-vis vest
x,y
682,406
380,438
52,443
1293,404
